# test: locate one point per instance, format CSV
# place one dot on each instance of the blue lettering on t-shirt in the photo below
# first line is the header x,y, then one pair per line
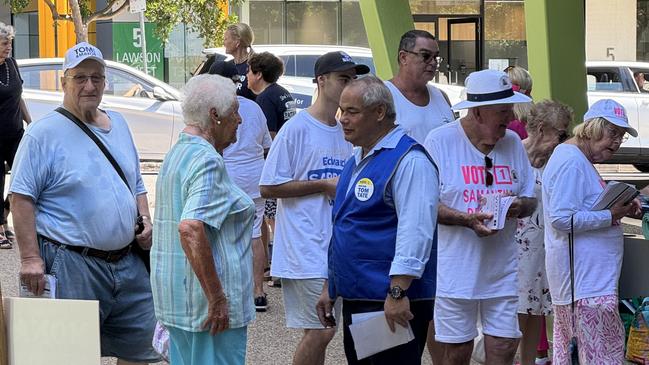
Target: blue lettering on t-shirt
x,y
326,173
331,161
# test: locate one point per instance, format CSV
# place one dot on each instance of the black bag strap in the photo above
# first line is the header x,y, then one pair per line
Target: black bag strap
x,y
571,248
95,139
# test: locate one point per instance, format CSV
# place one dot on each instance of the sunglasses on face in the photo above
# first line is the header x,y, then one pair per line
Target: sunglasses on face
x,y
488,164
426,56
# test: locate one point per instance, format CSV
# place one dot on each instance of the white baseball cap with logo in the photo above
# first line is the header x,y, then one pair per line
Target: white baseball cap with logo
x,y
613,112
81,52
489,87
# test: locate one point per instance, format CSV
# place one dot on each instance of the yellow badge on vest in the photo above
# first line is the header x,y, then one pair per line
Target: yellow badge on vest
x,y
364,189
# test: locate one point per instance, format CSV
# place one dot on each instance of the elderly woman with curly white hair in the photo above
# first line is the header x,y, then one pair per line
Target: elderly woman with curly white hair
x,y
201,259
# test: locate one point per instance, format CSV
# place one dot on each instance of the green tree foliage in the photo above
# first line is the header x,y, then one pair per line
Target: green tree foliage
x,y
203,16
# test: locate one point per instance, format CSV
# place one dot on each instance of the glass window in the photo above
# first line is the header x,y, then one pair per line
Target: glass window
x,y
312,22
504,32
26,41
604,79
42,77
353,29
640,76
266,21
289,65
304,65
463,7
642,31
120,83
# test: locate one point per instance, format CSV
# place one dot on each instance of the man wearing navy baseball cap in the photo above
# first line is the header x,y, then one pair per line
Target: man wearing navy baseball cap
x,y
302,169
75,214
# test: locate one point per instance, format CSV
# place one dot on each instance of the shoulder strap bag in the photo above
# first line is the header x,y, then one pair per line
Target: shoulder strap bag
x,y
573,351
144,254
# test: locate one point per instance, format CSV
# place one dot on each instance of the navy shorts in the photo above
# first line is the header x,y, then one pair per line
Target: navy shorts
x,y
126,315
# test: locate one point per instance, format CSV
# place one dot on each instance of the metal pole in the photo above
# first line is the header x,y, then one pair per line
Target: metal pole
x,y
144,62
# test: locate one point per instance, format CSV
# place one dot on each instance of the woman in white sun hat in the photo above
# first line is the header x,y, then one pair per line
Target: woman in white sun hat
x,y
571,185
477,157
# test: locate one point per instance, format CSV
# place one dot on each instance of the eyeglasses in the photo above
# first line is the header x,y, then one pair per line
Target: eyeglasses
x,y
488,164
82,79
615,135
426,56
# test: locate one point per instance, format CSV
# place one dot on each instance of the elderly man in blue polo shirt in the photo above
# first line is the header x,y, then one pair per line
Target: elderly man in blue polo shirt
x,y
384,216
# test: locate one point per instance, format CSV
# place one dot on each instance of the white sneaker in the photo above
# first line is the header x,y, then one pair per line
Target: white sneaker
x,y
543,361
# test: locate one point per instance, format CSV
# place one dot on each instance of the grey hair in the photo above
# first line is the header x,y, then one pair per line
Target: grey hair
x,y
409,38
7,31
204,92
376,93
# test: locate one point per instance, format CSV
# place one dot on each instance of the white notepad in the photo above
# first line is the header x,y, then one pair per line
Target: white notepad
x,y
372,334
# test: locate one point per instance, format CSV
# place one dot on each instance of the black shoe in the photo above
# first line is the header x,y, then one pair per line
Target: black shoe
x,y
261,303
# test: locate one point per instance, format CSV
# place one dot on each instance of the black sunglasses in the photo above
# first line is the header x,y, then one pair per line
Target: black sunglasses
x,y
488,164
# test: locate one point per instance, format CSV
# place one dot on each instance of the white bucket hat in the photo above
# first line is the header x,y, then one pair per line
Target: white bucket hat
x,y
613,112
81,52
489,87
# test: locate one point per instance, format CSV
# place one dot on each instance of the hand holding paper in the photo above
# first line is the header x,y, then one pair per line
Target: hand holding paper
x,y
498,205
372,335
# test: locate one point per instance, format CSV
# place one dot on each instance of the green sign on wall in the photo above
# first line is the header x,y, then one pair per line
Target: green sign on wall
x,y
127,38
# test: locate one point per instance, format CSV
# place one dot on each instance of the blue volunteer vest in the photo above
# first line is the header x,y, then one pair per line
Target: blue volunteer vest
x,y
365,229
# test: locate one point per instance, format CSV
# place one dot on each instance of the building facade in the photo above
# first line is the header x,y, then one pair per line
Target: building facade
x,y
473,34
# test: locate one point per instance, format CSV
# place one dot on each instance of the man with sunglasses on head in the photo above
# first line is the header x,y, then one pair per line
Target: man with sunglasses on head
x,y
75,216
478,157
421,107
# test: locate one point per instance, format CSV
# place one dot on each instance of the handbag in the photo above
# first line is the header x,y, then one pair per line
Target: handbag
x,y
573,350
142,253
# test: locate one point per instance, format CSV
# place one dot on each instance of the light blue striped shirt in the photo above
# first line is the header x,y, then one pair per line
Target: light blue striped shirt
x,y
193,185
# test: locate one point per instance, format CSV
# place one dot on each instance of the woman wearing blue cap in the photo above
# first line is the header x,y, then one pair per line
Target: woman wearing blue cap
x,y
583,272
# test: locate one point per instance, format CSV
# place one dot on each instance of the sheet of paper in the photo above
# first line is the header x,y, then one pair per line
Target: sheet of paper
x,y
372,334
615,192
49,292
497,205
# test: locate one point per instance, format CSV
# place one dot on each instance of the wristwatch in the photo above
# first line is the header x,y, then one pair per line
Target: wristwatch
x,y
396,292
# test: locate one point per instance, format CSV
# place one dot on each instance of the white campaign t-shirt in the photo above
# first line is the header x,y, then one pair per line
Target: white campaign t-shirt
x,y
244,159
570,187
468,266
417,120
304,149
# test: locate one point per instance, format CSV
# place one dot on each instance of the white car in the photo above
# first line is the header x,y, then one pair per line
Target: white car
x,y
151,107
614,80
299,61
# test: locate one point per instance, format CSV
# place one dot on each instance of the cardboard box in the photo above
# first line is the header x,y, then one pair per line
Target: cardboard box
x,y
52,331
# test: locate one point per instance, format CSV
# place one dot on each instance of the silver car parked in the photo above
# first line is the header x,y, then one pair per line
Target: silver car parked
x,y
150,106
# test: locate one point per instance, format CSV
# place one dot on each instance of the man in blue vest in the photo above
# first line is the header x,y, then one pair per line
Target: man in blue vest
x,y
384,217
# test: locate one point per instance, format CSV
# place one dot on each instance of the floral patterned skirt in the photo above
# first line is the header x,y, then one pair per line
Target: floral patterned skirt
x,y
600,333
533,289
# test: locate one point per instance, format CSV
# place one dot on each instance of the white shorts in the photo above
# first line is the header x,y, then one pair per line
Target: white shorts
x,y
300,299
456,319
260,203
